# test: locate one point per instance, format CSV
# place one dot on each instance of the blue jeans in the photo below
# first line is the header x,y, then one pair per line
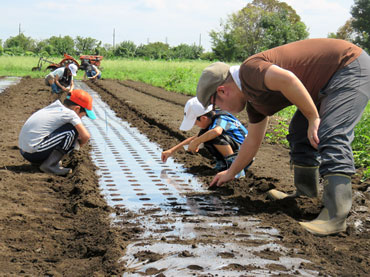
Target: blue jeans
x,y
93,73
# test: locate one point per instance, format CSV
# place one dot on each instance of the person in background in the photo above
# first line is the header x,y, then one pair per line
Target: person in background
x,y
328,80
56,130
221,134
61,79
92,72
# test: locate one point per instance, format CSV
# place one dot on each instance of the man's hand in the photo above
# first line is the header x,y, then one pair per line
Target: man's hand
x,y
313,128
221,178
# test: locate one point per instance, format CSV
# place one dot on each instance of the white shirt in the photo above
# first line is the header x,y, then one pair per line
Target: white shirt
x,y
43,122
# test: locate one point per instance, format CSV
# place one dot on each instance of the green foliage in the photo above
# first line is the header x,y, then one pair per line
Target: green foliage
x,y
345,32
361,143
180,76
279,30
360,12
186,52
155,50
126,49
58,46
19,44
279,133
86,46
177,77
261,25
209,56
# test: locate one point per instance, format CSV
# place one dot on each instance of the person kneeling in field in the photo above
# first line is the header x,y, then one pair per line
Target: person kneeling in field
x,y
56,130
221,133
61,79
92,72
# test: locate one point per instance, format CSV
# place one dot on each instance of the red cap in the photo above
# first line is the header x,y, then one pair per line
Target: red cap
x,y
82,98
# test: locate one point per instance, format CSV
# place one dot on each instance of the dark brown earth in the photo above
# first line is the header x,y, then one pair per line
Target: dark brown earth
x,y
60,226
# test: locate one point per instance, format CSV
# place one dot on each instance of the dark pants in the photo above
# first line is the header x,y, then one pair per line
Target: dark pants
x,y
64,139
341,104
220,140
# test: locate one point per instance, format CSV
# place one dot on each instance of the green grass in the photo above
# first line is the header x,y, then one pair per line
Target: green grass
x,y
182,76
179,76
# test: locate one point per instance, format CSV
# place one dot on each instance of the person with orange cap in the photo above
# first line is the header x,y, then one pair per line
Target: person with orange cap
x,y
52,132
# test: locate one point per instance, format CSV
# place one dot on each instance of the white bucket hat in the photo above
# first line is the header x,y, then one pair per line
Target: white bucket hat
x,y
192,110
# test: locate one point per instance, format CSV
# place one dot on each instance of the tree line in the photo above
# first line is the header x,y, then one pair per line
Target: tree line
x,y
260,25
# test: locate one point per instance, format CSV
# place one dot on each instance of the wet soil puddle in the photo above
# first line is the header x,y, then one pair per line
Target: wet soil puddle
x,y
188,230
8,81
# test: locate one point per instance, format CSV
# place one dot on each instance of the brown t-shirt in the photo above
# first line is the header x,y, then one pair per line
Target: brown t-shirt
x,y
313,61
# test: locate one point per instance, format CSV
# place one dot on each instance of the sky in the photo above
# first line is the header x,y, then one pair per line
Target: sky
x,y
145,21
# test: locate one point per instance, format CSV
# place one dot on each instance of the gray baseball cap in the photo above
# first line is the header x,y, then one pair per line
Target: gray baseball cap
x,y
212,77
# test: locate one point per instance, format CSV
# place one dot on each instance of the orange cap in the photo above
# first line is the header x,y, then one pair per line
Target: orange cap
x,y
82,98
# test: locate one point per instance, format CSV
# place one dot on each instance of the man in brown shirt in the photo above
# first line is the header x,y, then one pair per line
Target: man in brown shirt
x,y
328,80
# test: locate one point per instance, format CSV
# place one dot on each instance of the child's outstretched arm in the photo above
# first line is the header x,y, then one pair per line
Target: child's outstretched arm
x,y
166,154
207,136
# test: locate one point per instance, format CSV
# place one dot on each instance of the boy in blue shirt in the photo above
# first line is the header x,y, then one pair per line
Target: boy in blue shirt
x,y
221,134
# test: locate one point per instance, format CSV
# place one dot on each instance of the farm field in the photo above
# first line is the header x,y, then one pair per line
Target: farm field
x,y
61,226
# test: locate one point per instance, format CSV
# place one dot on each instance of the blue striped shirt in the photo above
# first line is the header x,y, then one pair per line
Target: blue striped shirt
x,y
230,124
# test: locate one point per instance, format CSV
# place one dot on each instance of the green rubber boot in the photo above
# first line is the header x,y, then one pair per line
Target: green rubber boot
x,y
306,181
337,204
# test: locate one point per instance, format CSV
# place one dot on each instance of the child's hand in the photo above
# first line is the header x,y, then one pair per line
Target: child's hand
x,y
165,155
193,146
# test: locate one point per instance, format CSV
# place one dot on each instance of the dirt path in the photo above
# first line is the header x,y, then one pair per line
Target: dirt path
x,y
60,226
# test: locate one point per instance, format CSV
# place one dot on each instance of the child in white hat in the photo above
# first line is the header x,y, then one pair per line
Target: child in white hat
x,y
221,134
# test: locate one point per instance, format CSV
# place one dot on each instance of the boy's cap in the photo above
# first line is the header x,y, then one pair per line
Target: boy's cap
x,y
192,110
73,68
82,98
212,77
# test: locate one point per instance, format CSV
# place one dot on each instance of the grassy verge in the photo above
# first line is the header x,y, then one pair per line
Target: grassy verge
x,y
182,76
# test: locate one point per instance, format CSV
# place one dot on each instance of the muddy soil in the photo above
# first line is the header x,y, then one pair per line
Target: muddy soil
x,y
61,226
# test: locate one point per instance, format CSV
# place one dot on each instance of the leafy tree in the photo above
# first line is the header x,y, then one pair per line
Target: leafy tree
x,y
61,45
184,51
260,25
360,12
225,45
126,49
155,50
21,43
86,45
280,28
1,47
345,32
